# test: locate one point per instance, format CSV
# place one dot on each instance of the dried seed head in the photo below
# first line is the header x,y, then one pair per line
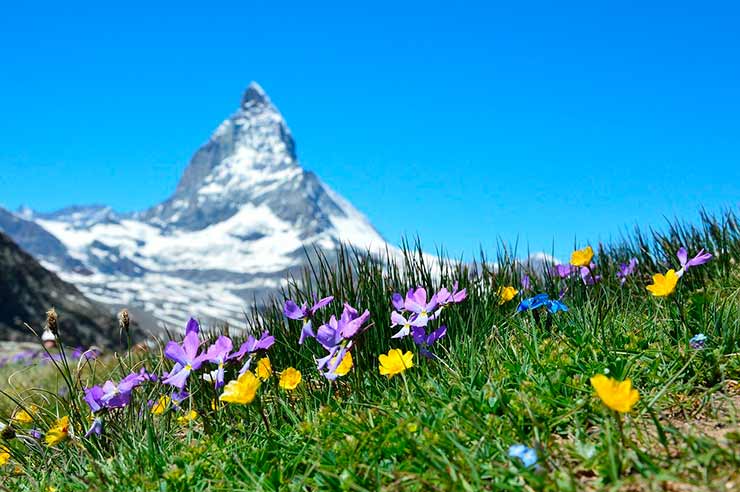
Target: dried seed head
x,y
51,322
123,320
7,433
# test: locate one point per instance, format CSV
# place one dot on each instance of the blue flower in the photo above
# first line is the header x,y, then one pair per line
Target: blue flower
x,y
541,300
555,306
697,341
525,454
533,302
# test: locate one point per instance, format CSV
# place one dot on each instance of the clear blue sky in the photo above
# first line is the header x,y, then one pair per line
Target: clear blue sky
x,y
462,122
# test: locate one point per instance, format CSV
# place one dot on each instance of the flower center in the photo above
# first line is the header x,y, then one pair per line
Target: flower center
x,y
188,367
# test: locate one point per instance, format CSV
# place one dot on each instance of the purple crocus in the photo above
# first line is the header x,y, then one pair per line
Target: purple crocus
x,y
187,359
626,269
305,314
683,257
424,341
217,354
251,347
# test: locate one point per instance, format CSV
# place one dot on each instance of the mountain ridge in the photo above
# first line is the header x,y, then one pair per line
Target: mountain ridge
x,y
238,222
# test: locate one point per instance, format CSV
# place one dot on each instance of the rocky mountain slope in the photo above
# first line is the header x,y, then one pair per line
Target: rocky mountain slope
x,y
28,290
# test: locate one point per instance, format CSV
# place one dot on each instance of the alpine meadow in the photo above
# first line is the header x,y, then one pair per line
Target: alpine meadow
x,y
615,371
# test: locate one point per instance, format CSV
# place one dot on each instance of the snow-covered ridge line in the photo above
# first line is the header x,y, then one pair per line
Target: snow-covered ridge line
x,y
234,228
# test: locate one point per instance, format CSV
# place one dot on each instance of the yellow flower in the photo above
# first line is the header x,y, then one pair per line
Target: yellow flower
x,y
59,432
161,405
582,257
241,390
395,362
188,417
617,395
663,285
344,367
4,455
506,294
25,417
290,378
264,369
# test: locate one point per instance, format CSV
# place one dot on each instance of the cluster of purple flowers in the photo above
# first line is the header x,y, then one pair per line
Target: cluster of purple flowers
x,y
587,273
337,336
29,357
626,270
112,395
188,358
414,312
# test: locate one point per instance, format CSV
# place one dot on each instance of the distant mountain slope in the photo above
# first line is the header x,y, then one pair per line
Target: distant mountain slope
x,y
237,223
28,290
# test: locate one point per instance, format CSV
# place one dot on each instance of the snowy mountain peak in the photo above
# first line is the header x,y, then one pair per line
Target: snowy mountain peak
x,y
242,217
254,94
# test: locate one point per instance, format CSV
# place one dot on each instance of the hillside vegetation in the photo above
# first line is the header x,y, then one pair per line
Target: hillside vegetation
x,y
508,397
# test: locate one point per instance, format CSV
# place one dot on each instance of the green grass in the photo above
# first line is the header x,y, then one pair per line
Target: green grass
x,y
502,378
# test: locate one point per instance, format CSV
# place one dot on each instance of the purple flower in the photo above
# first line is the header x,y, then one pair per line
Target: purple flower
x,y
526,282
93,398
304,313
417,303
586,276
251,347
118,395
337,336
187,359
96,427
217,354
192,327
683,257
562,271
178,397
626,269
445,297
36,434
398,319
352,321
397,301
424,341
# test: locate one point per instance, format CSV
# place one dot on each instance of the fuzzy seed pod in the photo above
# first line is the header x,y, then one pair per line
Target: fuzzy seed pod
x,y
51,322
123,320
